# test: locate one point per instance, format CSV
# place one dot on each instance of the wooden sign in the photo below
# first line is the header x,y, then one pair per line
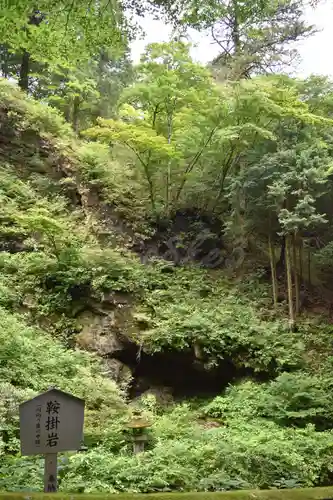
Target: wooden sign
x,y
50,423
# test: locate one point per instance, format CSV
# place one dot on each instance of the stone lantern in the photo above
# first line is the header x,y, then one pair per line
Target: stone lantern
x,y
138,424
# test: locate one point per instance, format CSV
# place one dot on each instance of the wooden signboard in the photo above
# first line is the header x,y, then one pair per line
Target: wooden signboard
x,y
50,423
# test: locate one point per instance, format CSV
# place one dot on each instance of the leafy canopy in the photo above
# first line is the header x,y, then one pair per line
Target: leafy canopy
x,y
62,33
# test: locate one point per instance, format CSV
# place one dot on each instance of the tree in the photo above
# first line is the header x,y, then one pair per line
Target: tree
x,y
35,19
317,91
157,110
74,93
83,93
113,73
87,92
281,193
190,136
172,10
254,36
60,34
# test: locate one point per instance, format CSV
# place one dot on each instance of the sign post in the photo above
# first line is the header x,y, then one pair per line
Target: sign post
x,y
50,423
50,473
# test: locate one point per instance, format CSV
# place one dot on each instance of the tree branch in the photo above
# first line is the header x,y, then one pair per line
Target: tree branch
x,y
192,164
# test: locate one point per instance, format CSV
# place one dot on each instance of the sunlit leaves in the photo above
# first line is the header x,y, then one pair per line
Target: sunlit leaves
x,y
140,138
70,31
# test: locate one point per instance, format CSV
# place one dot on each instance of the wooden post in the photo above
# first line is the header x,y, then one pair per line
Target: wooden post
x,y
50,473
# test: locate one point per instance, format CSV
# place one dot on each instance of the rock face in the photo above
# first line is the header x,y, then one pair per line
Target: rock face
x,y
119,372
188,236
102,328
103,323
160,396
99,333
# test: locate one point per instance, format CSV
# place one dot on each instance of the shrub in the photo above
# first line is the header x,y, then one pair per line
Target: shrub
x,y
28,114
255,455
224,325
292,399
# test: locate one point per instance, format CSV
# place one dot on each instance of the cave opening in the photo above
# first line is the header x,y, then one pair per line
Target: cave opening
x,y
179,371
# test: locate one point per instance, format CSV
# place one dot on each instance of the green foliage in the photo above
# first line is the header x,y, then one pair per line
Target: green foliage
x,y
223,323
63,283
324,260
292,399
168,81
82,94
189,136
66,32
242,455
26,114
51,263
296,399
290,180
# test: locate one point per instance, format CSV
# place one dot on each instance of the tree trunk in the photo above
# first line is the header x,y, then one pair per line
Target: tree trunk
x,y
273,272
75,113
150,182
296,277
67,113
24,71
168,177
300,260
102,108
5,61
151,189
35,19
282,260
193,163
235,29
309,265
290,285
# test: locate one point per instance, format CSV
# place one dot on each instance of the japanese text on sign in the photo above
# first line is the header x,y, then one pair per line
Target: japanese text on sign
x,y
38,419
52,423
51,484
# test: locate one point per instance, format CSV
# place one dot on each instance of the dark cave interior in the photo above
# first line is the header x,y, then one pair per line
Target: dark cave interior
x,y
179,371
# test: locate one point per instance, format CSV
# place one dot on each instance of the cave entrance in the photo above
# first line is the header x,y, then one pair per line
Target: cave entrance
x,y
179,371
